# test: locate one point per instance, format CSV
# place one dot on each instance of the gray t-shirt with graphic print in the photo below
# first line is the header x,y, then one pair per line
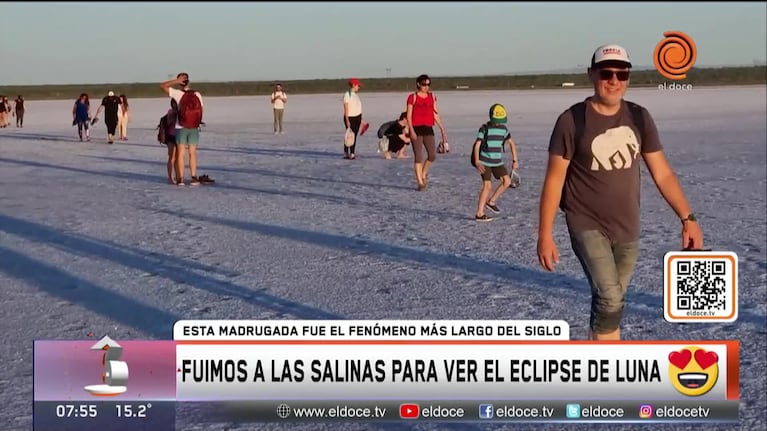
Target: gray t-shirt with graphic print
x,y
602,185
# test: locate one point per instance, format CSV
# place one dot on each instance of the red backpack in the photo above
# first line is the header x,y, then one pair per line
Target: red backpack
x,y
190,110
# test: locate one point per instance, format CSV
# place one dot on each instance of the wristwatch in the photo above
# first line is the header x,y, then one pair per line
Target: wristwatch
x,y
690,217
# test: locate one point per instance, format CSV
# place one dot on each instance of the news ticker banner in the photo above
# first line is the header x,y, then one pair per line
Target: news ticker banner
x,y
647,411
303,363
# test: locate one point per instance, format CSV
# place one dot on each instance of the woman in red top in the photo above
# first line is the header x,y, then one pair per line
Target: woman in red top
x,y
422,113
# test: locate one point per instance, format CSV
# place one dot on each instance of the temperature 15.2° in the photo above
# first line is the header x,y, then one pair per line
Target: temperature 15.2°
x,y
133,410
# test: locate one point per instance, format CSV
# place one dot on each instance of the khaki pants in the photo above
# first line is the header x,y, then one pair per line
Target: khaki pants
x,y
122,125
278,120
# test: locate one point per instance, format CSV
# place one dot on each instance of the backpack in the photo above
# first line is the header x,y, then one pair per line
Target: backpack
x,y
482,146
579,117
384,127
162,128
189,110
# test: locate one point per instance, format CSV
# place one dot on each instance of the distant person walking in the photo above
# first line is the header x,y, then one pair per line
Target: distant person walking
x,y
353,116
123,118
3,112
111,106
19,110
81,115
279,99
422,114
8,111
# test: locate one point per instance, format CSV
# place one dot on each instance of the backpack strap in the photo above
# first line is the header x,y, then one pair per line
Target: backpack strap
x,y
579,118
484,128
638,117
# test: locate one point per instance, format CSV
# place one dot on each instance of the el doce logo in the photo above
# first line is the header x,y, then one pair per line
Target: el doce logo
x,y
675,55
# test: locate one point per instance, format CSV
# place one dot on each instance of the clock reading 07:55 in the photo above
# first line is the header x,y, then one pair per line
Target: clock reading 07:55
x,y
76,411
132,410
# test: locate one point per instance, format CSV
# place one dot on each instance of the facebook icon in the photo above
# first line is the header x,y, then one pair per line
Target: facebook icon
x,y
485,411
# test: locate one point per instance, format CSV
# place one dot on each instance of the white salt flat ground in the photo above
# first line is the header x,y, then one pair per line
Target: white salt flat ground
x,y
92,239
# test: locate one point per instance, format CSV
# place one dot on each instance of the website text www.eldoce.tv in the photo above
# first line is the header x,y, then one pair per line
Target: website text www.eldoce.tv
x,y
339,412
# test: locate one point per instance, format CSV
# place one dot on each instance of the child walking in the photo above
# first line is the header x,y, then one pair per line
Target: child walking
x,y
487,157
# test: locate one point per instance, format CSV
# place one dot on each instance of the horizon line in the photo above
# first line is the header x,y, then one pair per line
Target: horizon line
x,y
569,71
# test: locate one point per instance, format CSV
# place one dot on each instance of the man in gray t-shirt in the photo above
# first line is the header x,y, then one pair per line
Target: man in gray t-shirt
x,y
593,176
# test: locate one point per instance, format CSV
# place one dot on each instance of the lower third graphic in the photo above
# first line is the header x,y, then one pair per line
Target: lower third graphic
x,y
115,374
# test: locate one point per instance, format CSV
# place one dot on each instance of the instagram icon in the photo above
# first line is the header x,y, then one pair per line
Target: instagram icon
x,y
645,411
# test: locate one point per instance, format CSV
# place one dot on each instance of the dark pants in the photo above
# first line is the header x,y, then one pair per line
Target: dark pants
x,y
82,125
354,124
111,124
19,118
395,143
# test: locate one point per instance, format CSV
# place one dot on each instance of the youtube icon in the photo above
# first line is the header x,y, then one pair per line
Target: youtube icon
x,y
409,411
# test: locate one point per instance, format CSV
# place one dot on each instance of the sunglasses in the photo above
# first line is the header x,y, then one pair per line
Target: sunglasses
x,y
606,75
425,84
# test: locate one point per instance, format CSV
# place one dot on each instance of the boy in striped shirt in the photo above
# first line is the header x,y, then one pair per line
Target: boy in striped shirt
x,y
488,158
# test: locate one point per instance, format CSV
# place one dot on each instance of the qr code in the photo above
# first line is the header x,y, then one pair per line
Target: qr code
x,y
700,287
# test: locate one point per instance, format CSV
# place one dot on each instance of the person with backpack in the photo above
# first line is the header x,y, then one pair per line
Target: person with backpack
x,y
593,175
487,157
422,114
189,118
166,135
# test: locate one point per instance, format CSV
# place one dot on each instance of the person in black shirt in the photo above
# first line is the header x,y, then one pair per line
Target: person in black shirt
x,y
19,109
398,136
111,106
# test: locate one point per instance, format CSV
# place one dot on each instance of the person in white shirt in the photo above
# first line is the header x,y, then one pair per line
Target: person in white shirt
x,y
279,98
353,115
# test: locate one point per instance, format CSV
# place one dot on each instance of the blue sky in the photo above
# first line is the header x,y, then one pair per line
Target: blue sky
x,y
72,43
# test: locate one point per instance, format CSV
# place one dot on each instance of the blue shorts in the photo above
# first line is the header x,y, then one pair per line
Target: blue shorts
x,y
187,136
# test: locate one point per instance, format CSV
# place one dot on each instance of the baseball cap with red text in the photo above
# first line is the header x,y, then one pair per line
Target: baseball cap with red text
x,y
610,54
